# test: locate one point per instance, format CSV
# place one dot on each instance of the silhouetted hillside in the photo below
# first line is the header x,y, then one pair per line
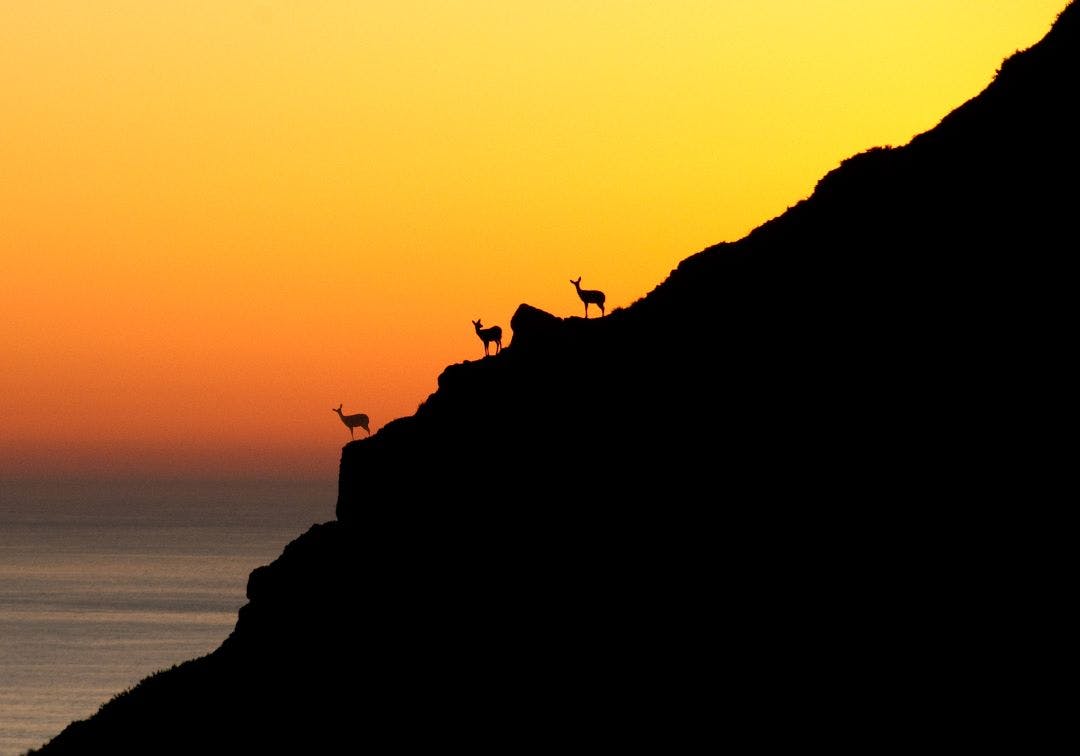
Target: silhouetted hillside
x,y
718,513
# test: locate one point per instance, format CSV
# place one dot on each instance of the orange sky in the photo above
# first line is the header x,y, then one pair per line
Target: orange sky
x,y
220,220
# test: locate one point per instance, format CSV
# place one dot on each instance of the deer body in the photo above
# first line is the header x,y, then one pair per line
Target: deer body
x,y
488,335
590,296
353,421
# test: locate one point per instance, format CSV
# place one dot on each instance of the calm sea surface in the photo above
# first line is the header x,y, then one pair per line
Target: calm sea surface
x,y
102,584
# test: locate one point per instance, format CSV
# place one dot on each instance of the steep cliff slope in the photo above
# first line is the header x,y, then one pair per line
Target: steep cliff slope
x,y
726,511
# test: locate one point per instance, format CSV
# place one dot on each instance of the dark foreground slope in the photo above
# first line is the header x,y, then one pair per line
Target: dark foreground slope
x,y
709,514
854,333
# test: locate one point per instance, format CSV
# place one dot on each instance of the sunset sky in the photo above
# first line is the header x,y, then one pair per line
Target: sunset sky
x,y
219,220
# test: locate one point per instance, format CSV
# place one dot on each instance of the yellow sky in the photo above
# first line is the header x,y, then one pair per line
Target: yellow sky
x,y
218,220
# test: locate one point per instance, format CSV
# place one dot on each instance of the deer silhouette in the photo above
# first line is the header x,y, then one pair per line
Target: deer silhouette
x,y
488,335
353,421
590,296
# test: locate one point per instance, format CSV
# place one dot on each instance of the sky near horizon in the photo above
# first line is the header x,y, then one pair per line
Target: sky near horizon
x,y
219,220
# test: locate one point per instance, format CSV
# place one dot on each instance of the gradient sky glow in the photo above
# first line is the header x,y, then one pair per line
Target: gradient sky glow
x,y
218,220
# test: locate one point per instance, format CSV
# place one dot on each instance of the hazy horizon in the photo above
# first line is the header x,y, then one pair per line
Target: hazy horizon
x,y
104,583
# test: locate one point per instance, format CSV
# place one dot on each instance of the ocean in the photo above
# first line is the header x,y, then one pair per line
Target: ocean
x,y
105,583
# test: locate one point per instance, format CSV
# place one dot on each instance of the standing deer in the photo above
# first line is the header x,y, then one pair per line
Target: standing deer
x,y
353,421
487,335
589,296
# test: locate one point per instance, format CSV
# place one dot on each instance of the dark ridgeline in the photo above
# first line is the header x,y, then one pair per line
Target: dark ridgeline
x,y
727,511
